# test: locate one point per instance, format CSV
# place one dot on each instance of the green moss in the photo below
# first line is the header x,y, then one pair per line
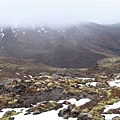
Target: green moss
x,y
50,84
8,114
86,110
112,100
12,102
116,118
98,117
109,92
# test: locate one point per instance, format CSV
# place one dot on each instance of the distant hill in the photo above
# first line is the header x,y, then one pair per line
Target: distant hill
x,y
75,46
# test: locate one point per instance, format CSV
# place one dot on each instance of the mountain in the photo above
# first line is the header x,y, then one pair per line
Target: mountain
x,y
74,46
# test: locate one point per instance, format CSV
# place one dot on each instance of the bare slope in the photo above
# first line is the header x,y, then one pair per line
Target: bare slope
x,y
72,47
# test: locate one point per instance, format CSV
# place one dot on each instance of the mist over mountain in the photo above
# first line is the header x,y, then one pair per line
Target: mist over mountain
x,y
75,46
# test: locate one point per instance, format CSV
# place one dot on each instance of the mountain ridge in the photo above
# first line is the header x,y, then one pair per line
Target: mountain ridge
x,y
76,46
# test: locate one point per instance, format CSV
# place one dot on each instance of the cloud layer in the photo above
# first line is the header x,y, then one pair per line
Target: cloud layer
x,y
58,12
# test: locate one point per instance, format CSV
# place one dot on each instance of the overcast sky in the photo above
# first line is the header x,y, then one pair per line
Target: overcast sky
x,y
58,12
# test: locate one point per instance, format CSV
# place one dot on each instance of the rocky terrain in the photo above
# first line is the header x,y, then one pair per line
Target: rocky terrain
x,y
74,46
99,86
20,68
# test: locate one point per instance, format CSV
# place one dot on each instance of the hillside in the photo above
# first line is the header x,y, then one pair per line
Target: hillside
x,y
11,68
75,46
62,97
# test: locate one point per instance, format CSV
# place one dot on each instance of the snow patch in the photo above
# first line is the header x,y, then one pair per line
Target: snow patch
x,y
92,83
39,31
2,35
1,30
23,33
51,115
110,116
14,31
114,106
77,103
17,74
63,31
45,31
16,26
84,78
114,83
30,76
42,29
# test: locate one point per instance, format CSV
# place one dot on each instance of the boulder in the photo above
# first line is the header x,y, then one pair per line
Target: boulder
x,y
85,116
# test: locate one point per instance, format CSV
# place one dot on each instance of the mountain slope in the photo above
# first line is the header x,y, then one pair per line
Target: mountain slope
x,y
72,47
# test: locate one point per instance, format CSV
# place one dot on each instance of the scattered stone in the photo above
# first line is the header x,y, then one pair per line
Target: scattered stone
x,y
36,112
11,118
61,72
85,116
8,115
44,73
31,89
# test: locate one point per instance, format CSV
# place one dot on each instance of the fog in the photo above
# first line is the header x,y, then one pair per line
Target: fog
x,y
58,12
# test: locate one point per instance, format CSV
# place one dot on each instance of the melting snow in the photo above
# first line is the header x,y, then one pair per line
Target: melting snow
x,y
30,76
24,33
77,103
114,106
16,26
110,116
14,31
2,35
43,29
92,83
63,31
114,83
108,107
49,115
84,78
17,74
39,31
1,30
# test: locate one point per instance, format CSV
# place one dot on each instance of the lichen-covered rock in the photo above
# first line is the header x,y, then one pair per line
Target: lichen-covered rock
x,y
38,83
63,112
85,116
8,114
36,112
31,89
12,102
44,106
62,72
116,118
